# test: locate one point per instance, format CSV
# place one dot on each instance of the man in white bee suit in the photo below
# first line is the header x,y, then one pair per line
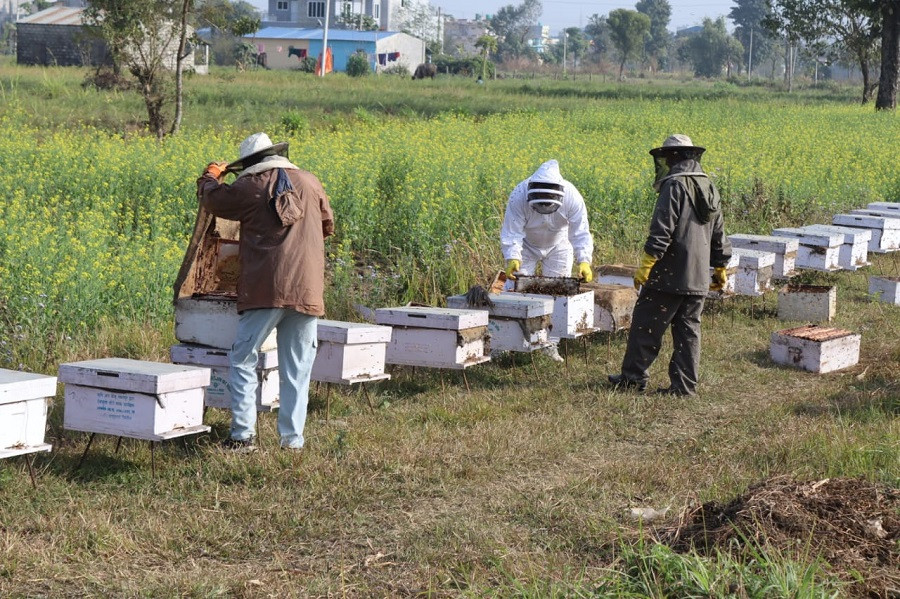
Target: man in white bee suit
x,y
546,222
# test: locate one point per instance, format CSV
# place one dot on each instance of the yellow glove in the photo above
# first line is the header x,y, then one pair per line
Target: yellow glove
x,y
512,267
643,271
585,272
718,279
216,169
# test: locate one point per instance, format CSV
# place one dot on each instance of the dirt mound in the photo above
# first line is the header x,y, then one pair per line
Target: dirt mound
x,y
852,524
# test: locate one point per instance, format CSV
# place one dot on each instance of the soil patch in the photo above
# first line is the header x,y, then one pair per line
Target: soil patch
x,y
852,524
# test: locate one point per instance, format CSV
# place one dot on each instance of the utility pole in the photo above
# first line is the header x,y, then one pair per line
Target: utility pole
x,y
325,37
565,48
440,32
750,58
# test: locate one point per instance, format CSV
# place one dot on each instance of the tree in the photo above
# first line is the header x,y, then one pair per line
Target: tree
x,y
419,19
222,16
627,30
358,64
890,56
712,49
350,20
145,38
488,44
656,46
573,48
597,31
511,24
748,16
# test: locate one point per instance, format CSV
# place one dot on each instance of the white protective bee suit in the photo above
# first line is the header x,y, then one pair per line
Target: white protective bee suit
x,y
553,239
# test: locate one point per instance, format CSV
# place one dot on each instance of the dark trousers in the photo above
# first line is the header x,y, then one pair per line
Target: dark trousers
x,y
654,312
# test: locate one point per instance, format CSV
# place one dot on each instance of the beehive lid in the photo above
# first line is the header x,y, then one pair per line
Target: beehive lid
x,y
508,305
22,386
818,238
615,270
201,355
851,234
891,218
768,243
753,258
815,333
431,318
123,374
349,333
888,206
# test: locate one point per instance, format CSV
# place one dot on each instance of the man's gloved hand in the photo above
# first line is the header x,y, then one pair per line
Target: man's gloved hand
x,y
643,271
216,169
512,267
585,272
718,279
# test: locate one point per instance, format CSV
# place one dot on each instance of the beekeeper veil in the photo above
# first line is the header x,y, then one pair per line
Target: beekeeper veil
x,y
545,188
677,143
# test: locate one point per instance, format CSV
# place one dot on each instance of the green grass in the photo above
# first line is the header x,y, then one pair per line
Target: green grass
x,y
519,488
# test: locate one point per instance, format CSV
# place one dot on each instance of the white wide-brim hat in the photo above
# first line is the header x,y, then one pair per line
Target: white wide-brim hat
x,y
255,148
676,142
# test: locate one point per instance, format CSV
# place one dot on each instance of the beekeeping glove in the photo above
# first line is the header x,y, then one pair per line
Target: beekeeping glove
x,y
216,169
512,267
718,279
585,272
643,271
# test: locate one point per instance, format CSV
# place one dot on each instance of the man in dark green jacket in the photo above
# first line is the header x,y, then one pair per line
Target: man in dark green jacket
x,y
686,239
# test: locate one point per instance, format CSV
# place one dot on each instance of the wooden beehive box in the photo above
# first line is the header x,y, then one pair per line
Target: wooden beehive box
x,y
350,352
885,228
784,248
885,289
206,286
818,250
808,303
815,348
615,274
854,251
892,207
435,337
516,323
613,305
754,272
133,398
23,411
217,394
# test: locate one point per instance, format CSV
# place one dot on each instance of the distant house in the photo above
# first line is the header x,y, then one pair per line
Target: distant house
x,y
58,36
285,47
460,35
538,37
311,13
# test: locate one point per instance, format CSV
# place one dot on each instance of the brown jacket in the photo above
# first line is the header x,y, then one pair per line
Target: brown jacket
x,y
281,266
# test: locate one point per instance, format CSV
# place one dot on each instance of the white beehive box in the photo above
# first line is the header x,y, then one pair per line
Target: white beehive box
x,y
350,352
754,272
23,411
615,274
854,251
212,322
784,248
809,303
217,394
516,323
815,348
573,315
817,251
613,305
892,207
133,398
435,337
885,289
885,228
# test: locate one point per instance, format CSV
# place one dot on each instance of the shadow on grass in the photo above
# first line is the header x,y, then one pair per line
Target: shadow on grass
x,y
875,398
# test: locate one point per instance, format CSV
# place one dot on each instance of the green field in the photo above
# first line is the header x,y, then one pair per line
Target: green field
x,y
517,488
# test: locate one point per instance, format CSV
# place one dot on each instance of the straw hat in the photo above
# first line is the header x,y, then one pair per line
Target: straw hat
x,y
676,142
254,149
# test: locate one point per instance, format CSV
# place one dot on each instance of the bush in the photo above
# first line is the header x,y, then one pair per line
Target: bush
x,y
469,67
307,65
294,122
358,65
396,70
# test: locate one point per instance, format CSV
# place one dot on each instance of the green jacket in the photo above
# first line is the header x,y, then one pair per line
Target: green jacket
x,y
687,233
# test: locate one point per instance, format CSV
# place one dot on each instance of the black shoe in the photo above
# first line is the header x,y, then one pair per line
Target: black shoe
x,y
620,382
670,391
239,445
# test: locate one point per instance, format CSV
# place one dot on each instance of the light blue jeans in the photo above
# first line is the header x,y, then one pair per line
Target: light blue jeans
x,y
297,342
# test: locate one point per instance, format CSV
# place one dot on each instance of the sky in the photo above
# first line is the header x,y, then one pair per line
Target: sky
x,y
575,13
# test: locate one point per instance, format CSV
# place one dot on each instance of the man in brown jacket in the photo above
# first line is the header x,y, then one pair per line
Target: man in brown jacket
x,y
285,217
686,239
